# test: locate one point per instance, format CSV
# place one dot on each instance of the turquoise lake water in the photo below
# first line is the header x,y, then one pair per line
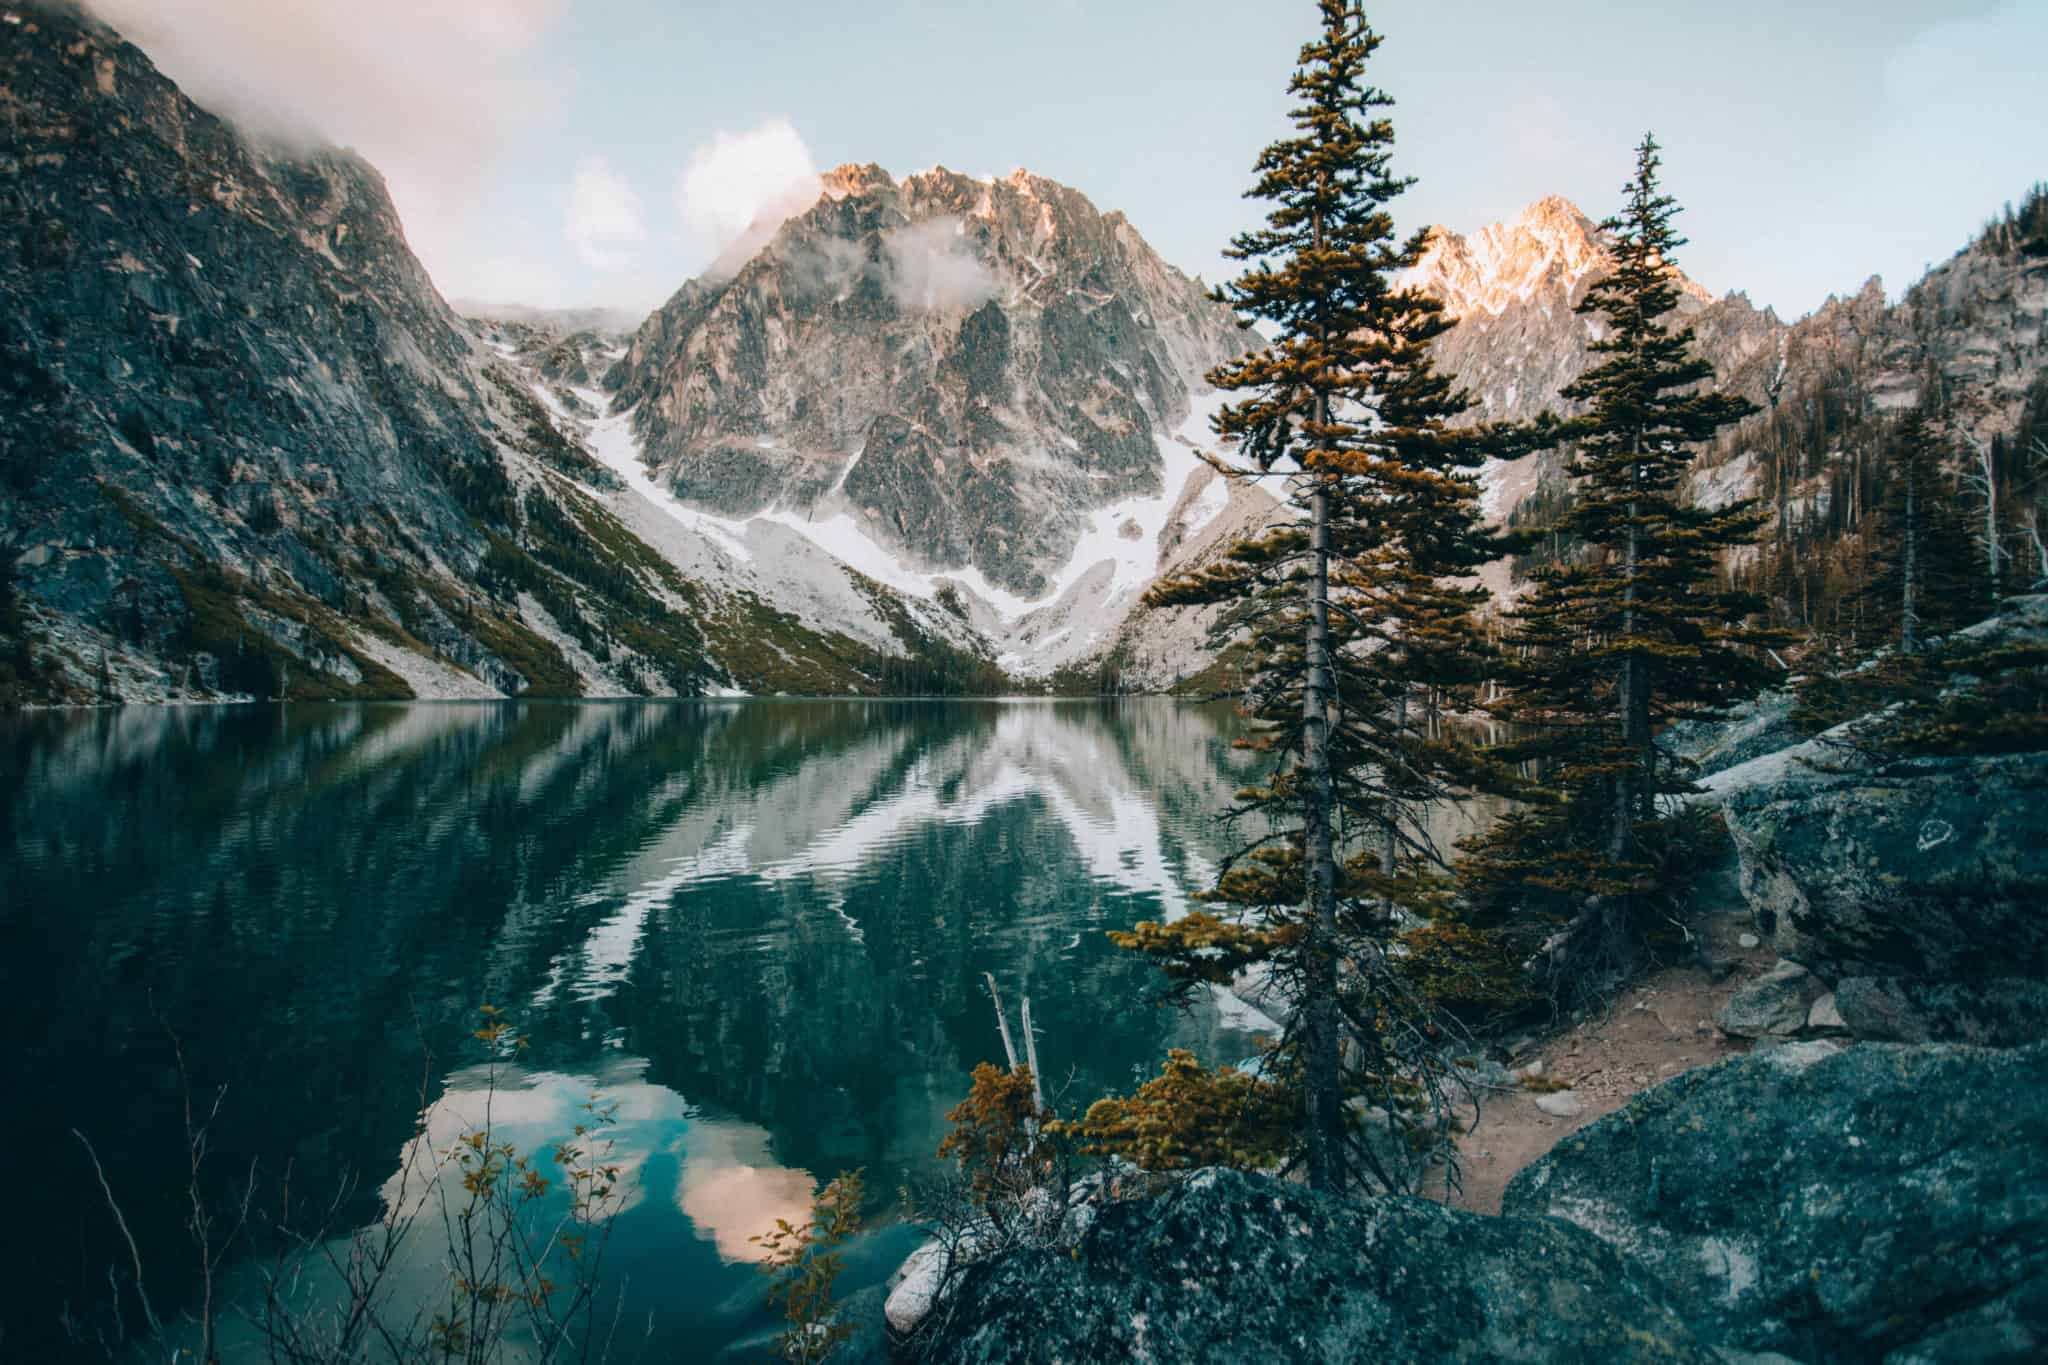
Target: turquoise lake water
x,y
758,927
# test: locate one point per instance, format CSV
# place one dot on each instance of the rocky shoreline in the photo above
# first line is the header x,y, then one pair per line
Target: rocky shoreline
x,y
1865,1180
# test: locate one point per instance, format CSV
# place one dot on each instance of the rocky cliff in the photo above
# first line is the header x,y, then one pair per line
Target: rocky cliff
x,y
967,368
249,450
1973,333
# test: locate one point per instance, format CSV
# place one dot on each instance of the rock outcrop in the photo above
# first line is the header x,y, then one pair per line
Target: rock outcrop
x,y
1760,726
1774,1005
1996,1011
967,367
1874,1203
1229,1268
1921,866
1908,885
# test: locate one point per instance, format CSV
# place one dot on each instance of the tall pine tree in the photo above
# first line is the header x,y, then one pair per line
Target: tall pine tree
x,y
1355,632
1637,628
1927,574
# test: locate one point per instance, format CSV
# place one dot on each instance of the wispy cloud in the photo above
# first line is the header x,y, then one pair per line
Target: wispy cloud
x,y
934,270
603,220
927,267
739,187
437,95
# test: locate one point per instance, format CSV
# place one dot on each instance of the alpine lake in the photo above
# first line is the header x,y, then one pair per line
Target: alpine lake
x,y
755,930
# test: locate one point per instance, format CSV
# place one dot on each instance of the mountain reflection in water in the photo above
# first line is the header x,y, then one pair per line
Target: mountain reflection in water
x,y
759,927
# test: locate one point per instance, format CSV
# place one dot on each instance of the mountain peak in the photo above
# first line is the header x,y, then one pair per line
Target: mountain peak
x,y
855,178
1550,245
1505,262
965,369
1555,208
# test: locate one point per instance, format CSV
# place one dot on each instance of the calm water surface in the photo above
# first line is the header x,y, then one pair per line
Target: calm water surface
x,y
759,927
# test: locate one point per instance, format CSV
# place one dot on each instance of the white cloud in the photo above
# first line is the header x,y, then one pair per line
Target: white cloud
x,y
934,270
603,220
739,187
927,267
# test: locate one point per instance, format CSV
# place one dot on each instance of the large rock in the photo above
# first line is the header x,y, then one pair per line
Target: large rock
x,y
1757,727
1878,1202
1775,1004
1927,867
2004,1011
1231,1268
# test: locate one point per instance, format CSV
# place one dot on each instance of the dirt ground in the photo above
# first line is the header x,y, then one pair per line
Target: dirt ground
x,y
1660,1027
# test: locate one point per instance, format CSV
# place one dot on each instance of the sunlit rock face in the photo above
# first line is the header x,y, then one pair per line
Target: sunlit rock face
x,y
967,366
1979,322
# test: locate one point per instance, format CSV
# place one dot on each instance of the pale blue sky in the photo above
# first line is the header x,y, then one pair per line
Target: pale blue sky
x,y
536,146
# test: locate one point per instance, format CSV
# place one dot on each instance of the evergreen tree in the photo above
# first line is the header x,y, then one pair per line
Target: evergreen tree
x,y
1926,575
17,658
1355,632
1927,578
1637,628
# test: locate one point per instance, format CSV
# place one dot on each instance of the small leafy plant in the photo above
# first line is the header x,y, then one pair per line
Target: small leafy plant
x,y
805,1262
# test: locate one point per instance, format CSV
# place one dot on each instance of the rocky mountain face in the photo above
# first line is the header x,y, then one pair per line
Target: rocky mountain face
x,y
250,450
1973,334
967,368
1512,287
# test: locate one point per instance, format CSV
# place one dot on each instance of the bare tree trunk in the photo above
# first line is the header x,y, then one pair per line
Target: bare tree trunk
x,y
1909,592
1031,1059
1990,475
1632,784
995,996
1322,1081
1320,1073
1389,839
1627,699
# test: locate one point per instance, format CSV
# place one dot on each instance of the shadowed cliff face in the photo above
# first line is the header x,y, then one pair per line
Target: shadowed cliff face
x,y
249,450
968,366
211,356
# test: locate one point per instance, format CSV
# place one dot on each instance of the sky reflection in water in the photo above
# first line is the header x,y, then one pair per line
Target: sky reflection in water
x,y
759,927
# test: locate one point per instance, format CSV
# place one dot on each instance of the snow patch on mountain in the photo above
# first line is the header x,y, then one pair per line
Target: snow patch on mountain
x,y
1116,557
612,441
1126,534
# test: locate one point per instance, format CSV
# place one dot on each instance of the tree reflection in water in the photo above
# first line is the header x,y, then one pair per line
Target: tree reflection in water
x,y
761,926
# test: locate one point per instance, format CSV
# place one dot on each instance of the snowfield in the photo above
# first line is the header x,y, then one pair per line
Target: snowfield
x,y
1117,556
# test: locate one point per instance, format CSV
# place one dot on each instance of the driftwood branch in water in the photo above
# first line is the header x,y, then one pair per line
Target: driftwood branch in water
x,y
1031,1060
995,995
